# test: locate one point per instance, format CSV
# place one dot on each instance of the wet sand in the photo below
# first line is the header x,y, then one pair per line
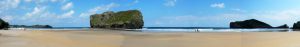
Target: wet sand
x,y
102,38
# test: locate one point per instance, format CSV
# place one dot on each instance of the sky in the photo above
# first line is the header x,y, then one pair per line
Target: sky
x,y
156,13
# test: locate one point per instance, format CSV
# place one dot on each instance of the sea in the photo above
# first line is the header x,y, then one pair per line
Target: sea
x,y
173,29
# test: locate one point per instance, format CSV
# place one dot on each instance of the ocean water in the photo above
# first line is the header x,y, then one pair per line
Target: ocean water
x,y
212,29
172,29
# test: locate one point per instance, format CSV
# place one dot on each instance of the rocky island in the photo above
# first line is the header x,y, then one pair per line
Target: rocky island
x,y
3,24
131,19
253,23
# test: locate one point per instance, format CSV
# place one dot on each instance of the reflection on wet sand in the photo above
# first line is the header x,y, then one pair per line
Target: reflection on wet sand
x,y
111,38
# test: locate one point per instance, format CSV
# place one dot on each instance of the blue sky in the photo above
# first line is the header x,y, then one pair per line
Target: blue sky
x,y
157,13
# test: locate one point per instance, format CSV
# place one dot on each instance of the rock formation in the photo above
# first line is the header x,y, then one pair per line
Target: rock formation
x,y
131,19
3,24
283,26
251,23
296,25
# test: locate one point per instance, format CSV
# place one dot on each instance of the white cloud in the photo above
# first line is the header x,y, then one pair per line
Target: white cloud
x,y
104,8
27,0
170,3
218,5
277,18
37,1
68,14
99,9
53,0
45,1
197,21
134,2
38,15
67,6
8,4
36,11
41,12
238,10
272,17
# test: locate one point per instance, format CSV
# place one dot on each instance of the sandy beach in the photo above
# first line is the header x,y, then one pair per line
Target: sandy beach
x,y
48,38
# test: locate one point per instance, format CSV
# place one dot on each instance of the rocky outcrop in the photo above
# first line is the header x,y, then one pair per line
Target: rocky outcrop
x,y
131,19
283,26
251,23
296,25
3,24
33,26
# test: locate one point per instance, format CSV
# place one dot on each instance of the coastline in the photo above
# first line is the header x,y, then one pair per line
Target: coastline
x,y
117,38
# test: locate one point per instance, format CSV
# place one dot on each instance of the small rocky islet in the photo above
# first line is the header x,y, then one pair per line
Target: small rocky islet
x,y
253,23
130,19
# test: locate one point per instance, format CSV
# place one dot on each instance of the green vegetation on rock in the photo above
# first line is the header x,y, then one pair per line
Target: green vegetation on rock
x,y
131,19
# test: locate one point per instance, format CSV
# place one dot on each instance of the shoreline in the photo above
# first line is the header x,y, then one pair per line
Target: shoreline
x,y
165,29
115,38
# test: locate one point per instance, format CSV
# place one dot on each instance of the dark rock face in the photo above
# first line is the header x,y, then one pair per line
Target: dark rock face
x,y
3,24
131,19
296,25
251,23
283,26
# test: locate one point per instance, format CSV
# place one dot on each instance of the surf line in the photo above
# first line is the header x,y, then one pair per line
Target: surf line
x,y
197,30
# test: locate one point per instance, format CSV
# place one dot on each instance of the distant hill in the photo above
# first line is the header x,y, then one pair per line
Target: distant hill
x,y
32,26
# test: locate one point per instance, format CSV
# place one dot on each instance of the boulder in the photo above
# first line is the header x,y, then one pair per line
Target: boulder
x,y
251,23
131,19
3,24
283,26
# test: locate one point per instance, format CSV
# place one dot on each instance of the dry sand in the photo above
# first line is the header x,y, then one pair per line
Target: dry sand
x,y
36,38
